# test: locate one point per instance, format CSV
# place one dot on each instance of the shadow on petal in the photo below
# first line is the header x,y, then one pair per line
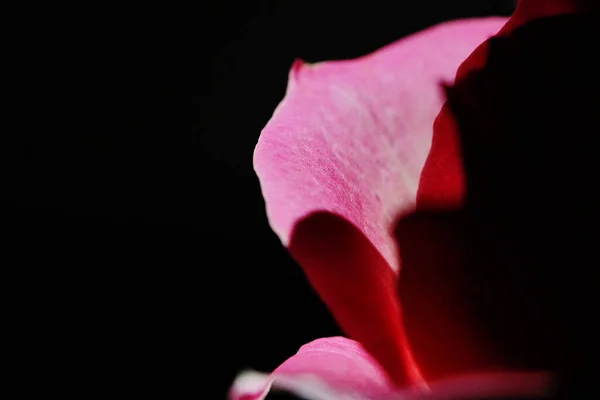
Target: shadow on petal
x,y
437,292
527,113
358,286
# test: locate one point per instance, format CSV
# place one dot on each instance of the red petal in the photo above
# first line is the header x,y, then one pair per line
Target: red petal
x,y
359,286
442,183
435,292
442,187
350,139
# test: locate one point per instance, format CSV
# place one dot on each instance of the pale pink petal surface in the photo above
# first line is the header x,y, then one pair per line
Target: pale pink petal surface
x,y
351,137
337,364
339,162
338,368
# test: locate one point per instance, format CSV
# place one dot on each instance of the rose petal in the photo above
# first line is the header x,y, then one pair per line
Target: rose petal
x,y
350,139
442,183
321,368
502,78
498,385
525,115
339,368
357,284
436,290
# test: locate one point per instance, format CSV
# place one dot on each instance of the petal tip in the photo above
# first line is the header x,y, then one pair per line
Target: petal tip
x,y
297,65
250,385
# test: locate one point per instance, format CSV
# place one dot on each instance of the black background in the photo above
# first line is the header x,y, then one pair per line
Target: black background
x,y
136,225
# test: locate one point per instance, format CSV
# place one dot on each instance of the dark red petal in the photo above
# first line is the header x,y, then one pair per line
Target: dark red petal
x,y
523,107
442,183
436,293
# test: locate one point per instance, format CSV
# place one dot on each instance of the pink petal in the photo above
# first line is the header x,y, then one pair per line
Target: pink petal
x,y
339,368
351,137
336,364
339,162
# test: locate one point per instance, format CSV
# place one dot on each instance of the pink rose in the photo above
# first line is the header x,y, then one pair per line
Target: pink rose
x,y
350,165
